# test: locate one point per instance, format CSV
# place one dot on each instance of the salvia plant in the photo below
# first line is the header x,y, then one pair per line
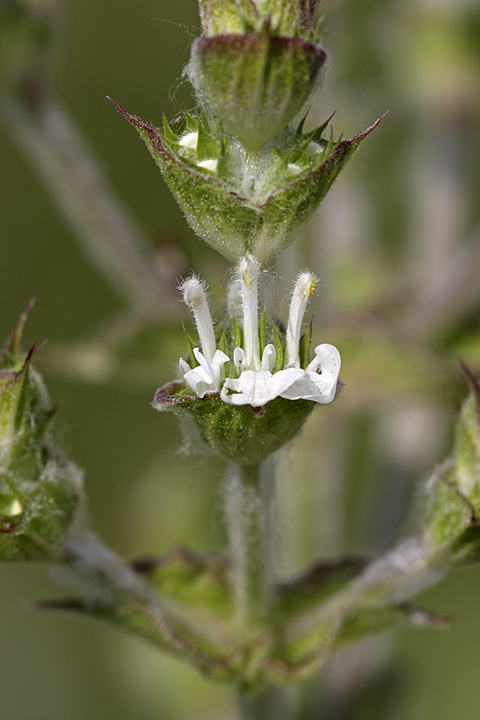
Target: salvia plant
x,y
248,177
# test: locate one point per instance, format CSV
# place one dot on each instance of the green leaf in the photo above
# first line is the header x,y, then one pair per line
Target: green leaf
x,y
368,621
199,581
114,592
316,586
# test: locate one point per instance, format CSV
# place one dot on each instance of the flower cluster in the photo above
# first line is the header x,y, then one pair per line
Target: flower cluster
x,y
249,178
258,375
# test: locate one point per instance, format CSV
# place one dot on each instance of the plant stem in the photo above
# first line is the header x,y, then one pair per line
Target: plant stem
x,y
247,520
248,500
268,705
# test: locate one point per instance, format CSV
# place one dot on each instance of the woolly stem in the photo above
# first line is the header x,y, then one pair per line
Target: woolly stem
x,y
246,517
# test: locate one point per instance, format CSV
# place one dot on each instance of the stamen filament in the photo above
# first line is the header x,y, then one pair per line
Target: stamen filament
x,y
249,272
195,297
305,284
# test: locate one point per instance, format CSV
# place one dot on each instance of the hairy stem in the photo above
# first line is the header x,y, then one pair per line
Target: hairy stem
x,y
268,705
247,520
248,500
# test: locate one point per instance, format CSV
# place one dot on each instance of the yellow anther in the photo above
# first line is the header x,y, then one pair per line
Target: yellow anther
x,y
310,287
247,278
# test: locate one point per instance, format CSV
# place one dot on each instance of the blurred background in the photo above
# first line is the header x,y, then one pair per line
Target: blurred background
x,y
397,247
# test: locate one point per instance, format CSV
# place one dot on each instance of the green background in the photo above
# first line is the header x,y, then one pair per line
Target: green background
x,y
421,61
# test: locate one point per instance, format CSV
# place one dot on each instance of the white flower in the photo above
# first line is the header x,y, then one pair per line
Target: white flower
x,y
319,381
257,387
257,384
207,377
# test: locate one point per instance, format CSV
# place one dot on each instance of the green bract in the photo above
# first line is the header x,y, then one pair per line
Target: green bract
x,y
39,489
256,84
239,206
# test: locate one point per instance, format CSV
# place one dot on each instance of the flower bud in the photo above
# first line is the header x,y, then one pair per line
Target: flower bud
x,y
256,84
39,488
290,18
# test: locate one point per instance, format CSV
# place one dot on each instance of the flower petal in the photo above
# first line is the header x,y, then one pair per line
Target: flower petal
x,y
257,387
268,359
200,381
319,383
207,376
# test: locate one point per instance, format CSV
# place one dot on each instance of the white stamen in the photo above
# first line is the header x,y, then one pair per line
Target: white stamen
x,y
304,286
209,165
194,296
189,140
249,272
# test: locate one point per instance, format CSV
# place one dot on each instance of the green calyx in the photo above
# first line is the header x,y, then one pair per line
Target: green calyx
x,y
39,489
241,204
240,434
452,502
256,84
